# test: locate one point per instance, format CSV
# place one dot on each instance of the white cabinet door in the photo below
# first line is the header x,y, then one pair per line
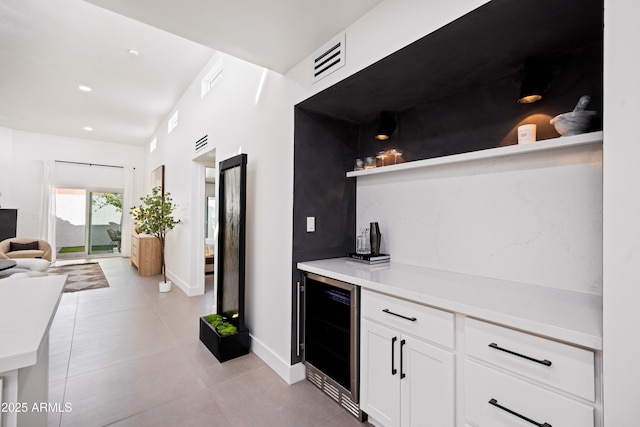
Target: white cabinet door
x,y
405,381
380,373
427,388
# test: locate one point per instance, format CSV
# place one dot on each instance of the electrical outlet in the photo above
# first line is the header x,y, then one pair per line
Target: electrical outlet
x,y
311,224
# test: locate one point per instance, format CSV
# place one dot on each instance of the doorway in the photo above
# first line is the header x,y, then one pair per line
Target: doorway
x,y
88,222
210,220
204,224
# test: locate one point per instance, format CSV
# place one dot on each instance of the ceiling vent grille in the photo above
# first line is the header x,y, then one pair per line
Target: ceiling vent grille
x,y
329,58
202,143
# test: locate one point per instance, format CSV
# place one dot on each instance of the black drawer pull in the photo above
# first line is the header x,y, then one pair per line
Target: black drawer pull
x,y
542,362
413,319
494,402
402,375
393,358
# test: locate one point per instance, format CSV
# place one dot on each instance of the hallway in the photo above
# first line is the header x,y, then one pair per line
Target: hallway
x,y
128,355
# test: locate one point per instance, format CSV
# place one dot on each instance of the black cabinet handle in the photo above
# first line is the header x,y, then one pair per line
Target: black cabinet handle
x,y
393,358
402,375
494,402
386,310
542,362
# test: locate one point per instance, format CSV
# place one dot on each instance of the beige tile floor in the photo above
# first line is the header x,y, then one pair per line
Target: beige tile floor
x,y
128,355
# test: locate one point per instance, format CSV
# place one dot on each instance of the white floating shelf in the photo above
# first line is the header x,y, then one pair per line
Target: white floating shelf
x,y
509,150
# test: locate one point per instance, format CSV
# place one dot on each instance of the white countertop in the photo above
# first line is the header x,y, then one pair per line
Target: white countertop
x,y
567,316
27,307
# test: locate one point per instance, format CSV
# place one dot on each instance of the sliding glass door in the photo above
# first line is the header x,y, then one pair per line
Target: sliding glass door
x,y
88,223
105,223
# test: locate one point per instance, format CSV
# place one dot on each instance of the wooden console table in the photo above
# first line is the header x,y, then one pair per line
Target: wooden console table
x,y
145,254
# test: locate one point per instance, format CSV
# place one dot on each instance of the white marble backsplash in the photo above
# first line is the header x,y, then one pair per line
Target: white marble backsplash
x,y
534,218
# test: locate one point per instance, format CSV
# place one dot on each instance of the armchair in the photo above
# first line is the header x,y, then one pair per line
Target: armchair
x,y
115,236
25,247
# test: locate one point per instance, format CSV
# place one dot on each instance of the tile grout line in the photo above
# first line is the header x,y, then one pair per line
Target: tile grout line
x,y
66,376
116,363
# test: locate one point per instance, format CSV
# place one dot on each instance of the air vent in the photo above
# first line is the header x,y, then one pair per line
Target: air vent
x,y
202,143
329,58
331,389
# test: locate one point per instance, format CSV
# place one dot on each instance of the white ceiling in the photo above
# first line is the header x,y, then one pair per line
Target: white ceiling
x,y
50,47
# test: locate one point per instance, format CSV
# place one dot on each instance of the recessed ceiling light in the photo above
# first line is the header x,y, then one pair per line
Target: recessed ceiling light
x,y
88,128
134,52
84,88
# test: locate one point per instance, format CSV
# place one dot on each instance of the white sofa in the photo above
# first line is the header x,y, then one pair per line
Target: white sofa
x,y
31,267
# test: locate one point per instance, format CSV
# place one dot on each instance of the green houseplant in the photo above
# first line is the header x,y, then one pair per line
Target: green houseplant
x,y
155,217
222,326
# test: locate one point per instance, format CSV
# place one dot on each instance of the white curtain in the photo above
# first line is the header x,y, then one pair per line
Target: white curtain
x,y
48,207
127,203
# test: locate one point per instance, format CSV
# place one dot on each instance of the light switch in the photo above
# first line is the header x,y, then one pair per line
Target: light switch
x,y
311,224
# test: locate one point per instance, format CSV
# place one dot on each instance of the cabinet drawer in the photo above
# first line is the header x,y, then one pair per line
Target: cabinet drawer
x,y
425,322
571,369
483,384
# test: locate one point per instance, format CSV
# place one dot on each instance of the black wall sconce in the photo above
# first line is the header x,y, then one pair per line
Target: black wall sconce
x,y
387,126
535,83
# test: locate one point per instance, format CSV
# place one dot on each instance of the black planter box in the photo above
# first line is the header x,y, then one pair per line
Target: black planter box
x,y
225,347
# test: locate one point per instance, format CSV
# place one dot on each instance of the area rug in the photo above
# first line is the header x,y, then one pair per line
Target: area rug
x,y
81,277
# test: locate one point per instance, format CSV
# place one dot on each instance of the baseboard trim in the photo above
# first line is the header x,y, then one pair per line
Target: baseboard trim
x,y
289,373
190,291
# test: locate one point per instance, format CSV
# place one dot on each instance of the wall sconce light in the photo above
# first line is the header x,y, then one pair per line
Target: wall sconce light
x,y
534,84
387,126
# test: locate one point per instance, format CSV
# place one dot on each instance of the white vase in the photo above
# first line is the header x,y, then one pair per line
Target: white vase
x,y
165,286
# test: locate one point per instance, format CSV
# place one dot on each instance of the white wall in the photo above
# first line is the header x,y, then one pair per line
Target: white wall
x,y
21,185
239,113
210,190
6,148
21,168
621,298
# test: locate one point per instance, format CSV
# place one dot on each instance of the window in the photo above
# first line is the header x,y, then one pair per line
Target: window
x,y
211,78
173,122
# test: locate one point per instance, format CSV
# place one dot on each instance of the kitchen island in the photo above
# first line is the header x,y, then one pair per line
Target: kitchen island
x,y
27,308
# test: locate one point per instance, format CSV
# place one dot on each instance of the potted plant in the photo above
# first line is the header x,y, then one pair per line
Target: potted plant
x,y
155,217
220,334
